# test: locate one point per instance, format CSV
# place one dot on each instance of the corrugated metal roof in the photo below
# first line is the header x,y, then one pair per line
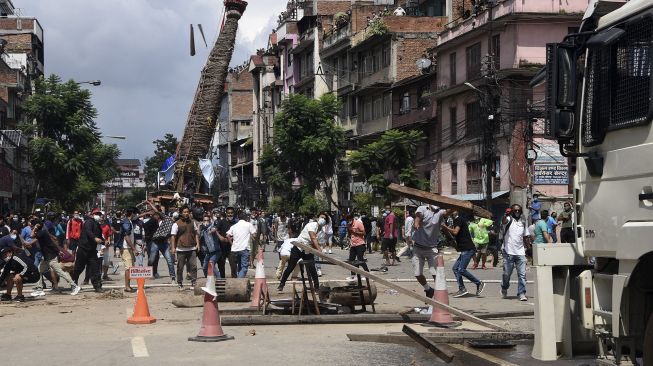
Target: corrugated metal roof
x,y
11,139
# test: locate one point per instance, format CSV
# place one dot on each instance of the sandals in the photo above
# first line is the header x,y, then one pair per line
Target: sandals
x,y
131,290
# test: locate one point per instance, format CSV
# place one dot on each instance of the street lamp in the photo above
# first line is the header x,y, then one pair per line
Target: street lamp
x,y
91,82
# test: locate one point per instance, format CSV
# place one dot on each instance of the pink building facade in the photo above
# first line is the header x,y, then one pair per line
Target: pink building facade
x,y
485,63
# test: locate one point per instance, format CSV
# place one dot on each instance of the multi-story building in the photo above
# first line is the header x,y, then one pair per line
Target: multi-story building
x,y
129,176
22,61
485,61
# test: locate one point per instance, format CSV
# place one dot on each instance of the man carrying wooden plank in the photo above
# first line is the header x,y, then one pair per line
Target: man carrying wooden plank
x,y
425,242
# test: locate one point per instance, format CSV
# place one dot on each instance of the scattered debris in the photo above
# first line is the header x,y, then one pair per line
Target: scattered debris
x,y
252,332
112,294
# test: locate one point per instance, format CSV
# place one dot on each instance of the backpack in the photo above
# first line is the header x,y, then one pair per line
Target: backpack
x,y
75,229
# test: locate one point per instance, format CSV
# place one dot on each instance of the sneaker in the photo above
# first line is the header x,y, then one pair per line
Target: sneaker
x,y
479,288
280,288
157,276
324,251
330,252
504,293
523,297
181,287
75,290
38,293
106,278
173,281
350,278
430,292
319,273
99,290
397,259
460,293
19,298
5,297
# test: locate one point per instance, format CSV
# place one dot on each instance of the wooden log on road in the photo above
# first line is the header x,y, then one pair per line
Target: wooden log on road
x,y
431,346
447,337
405,291
438,200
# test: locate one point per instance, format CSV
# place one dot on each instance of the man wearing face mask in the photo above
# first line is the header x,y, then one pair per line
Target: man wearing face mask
x,y
225,245
389,243
210,245
18,269
565,218
90,242
514,251
308,236
74,231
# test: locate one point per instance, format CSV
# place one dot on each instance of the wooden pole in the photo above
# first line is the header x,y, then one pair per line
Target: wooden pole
x,y
424,342
436,199
405,291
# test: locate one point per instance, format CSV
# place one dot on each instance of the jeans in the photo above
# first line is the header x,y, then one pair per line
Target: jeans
x,y
460,269
241,258
164,248
509,262
38,258
225,249
213,256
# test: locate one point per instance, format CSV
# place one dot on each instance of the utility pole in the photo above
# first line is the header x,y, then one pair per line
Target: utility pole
x,y
488,145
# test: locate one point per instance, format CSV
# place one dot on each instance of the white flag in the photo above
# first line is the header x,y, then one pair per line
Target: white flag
x,y
169,174
207,170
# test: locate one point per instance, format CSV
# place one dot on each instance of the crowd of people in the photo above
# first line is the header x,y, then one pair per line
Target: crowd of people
x,y
53,247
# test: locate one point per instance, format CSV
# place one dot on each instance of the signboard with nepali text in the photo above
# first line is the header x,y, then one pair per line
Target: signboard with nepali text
x,y
141,272
549,174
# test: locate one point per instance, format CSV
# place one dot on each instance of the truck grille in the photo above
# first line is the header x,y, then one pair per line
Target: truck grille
x,y
618,83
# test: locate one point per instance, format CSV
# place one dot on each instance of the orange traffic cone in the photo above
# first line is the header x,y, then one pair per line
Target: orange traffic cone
x,y
211,329
260,283
440,317
141,310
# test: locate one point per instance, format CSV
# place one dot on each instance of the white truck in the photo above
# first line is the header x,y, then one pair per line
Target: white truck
x,y
595,297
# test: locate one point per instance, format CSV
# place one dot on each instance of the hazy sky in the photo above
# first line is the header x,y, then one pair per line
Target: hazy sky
x,y
139,49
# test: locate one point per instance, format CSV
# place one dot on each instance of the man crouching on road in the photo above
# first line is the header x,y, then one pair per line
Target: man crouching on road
x,y
18,269
425,242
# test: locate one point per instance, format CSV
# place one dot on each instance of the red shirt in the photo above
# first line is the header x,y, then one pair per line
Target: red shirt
x,y
357,239
389,226
106,231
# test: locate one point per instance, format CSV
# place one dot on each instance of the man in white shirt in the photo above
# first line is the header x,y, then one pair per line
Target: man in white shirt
x,y
514,251
308,236
241,234
399,12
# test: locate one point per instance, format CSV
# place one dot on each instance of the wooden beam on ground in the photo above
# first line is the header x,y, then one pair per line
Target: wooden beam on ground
x,y
322,319
405,291
438,200
482,356
424,342
445,337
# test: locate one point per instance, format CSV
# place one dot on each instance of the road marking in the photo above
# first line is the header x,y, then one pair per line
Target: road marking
x,y
139,348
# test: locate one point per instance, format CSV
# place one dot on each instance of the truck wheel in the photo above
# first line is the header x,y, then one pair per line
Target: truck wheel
x,y
648,342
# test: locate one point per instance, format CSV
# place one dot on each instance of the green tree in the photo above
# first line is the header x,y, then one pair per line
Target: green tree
x,y
363,202
307,142
67,156
164,148
391,159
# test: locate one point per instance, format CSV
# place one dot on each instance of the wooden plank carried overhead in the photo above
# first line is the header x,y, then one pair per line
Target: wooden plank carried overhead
x,y
400,289
438,200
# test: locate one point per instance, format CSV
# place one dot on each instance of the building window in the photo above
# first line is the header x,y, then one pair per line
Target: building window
x,y
452,68
453,123
472,119
387,104
496,174
367,109
289,57
454,178
342,70
386,55
474,176
473,57
377,108
353,110
496,51
405,104
376,60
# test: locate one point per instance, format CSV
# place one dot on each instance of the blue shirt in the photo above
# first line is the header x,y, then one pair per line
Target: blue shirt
x,y
536,206
551,223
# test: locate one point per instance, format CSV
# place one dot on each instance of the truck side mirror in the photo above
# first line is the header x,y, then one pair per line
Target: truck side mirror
x,y
560,91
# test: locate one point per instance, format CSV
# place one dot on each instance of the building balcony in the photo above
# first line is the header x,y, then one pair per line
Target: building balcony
x,y
336,36
509,8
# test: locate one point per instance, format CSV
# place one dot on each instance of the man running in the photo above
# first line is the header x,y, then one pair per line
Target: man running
x,y
465,246
50,249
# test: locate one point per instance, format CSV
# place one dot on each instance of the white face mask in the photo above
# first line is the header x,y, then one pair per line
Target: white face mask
x,y
13,236
96,217
321,221
146,219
